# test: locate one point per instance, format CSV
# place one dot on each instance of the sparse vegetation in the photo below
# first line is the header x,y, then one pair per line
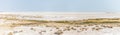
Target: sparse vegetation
x,y
102,20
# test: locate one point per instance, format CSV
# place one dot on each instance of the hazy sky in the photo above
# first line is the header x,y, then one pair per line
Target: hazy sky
x,y
60,5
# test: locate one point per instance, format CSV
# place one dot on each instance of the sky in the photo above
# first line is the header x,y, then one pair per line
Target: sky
x,y
61,5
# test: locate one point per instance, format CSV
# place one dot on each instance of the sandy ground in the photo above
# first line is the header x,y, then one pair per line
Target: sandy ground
x,y
12,26
60,29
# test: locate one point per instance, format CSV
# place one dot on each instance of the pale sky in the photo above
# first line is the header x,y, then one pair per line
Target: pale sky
x,y
61,5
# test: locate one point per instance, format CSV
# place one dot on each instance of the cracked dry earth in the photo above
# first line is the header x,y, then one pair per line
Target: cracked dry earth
x,y
25,27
